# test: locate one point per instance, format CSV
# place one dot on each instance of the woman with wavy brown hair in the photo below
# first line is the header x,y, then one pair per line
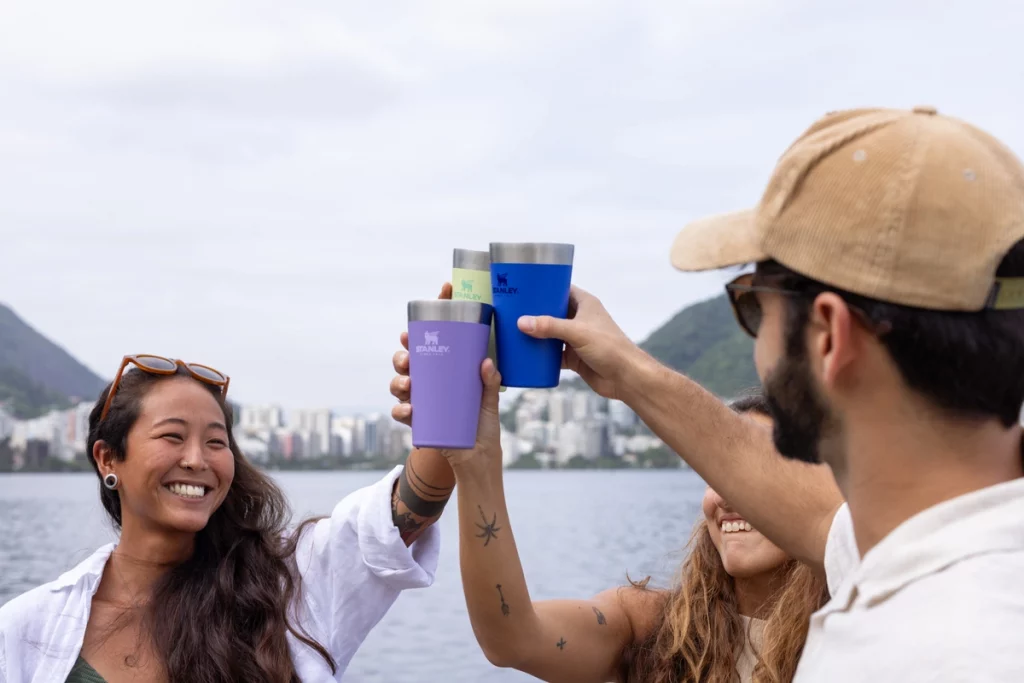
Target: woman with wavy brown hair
x,y
739,612
206,583
740,609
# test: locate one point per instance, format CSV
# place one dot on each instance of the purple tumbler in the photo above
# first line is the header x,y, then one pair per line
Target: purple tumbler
x,y
447,345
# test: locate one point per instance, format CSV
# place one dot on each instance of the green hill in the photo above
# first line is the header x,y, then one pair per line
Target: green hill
x,y
704,343
35,373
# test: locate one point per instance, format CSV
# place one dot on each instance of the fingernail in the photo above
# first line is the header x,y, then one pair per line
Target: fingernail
x,y
527,323
405,382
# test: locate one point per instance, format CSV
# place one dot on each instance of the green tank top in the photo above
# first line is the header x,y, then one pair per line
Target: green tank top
x,y
81,672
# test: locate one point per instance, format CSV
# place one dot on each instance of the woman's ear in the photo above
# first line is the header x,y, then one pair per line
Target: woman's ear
x,y
103,454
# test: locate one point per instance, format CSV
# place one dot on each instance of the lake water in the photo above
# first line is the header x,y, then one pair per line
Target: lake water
x,y
578,533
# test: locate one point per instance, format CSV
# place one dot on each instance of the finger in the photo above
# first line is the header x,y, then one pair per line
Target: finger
x,y
570,359
446,291
400,361
546,327
492,386
402,413
404,338
401,387
577,296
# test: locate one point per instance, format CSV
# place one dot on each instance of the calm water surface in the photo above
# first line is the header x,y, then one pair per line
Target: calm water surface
x,y
578,533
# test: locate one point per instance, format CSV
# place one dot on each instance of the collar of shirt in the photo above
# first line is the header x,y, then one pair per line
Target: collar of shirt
x,y
990,520
88,571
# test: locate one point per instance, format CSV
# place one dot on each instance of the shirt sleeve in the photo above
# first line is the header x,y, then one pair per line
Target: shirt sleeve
x,y
841,554
354,563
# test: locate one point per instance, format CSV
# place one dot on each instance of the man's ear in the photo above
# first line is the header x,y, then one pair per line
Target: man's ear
x,y
834,339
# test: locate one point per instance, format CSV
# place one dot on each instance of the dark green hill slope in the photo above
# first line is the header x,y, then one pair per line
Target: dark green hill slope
x,y
704,343
35,373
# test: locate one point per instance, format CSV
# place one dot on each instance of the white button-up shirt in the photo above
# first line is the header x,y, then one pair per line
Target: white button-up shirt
x,y
353,565
939,599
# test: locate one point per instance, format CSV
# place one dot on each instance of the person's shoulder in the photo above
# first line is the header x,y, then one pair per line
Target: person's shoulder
x,y
17,614
974,585
934,629
41,602
642,606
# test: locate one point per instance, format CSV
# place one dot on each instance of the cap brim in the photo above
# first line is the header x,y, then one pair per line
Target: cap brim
x,y
720,241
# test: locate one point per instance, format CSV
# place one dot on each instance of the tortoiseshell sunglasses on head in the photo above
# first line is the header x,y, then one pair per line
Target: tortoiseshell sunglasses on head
x,y
158,365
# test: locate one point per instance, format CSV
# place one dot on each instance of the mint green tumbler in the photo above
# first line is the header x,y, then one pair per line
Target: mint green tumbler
x,y
471,281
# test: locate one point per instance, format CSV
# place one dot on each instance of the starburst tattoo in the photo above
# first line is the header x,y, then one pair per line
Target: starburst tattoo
x,y
600,617
487,530
560,644
504,605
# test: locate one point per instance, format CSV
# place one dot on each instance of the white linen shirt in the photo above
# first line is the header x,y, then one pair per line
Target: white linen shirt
x,y
353,565
938,599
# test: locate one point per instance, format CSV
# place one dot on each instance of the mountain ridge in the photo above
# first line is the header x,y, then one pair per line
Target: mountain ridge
x,y
37,374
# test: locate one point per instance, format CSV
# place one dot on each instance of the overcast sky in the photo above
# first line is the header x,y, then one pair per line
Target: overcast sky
x,y
262,186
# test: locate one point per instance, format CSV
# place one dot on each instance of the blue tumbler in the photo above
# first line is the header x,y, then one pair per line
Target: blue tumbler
x,y
529,279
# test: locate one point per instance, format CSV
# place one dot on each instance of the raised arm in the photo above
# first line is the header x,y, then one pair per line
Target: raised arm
x,y
790,502
575,641
426,483
421,492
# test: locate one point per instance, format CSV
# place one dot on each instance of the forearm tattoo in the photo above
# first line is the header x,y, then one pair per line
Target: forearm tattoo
x,y
444,491
560,644
421,502
488,530
420,505
504,605
407,525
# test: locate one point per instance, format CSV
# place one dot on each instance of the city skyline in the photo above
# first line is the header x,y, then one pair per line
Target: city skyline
x,y
551,426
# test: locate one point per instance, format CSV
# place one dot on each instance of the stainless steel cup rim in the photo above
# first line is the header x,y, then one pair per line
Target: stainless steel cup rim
x,y
446,310
468,259
549,253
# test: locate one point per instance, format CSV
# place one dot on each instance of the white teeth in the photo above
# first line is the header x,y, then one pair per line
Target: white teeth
x,y
733,527
187,490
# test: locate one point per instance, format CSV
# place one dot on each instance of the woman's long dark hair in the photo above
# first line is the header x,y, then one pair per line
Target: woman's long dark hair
x,y
700,631
222,615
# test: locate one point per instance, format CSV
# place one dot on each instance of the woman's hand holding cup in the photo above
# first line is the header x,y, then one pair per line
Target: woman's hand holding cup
x,y
401,387
488,437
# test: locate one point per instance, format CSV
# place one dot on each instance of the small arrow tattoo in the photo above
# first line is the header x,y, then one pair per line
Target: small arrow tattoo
x,y
504,605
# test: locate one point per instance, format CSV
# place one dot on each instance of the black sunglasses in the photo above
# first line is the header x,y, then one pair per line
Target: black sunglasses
x,y
742,294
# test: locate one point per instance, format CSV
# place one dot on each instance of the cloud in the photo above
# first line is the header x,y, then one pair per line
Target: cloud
x,y
245,182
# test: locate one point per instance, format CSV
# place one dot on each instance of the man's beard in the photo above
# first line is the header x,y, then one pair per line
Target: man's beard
x,y
799,415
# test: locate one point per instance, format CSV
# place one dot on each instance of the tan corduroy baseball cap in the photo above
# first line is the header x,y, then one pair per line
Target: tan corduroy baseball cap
x,y
908,207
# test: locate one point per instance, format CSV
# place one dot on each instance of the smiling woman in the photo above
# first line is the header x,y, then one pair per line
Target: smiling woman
x,y
205,583
741,606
